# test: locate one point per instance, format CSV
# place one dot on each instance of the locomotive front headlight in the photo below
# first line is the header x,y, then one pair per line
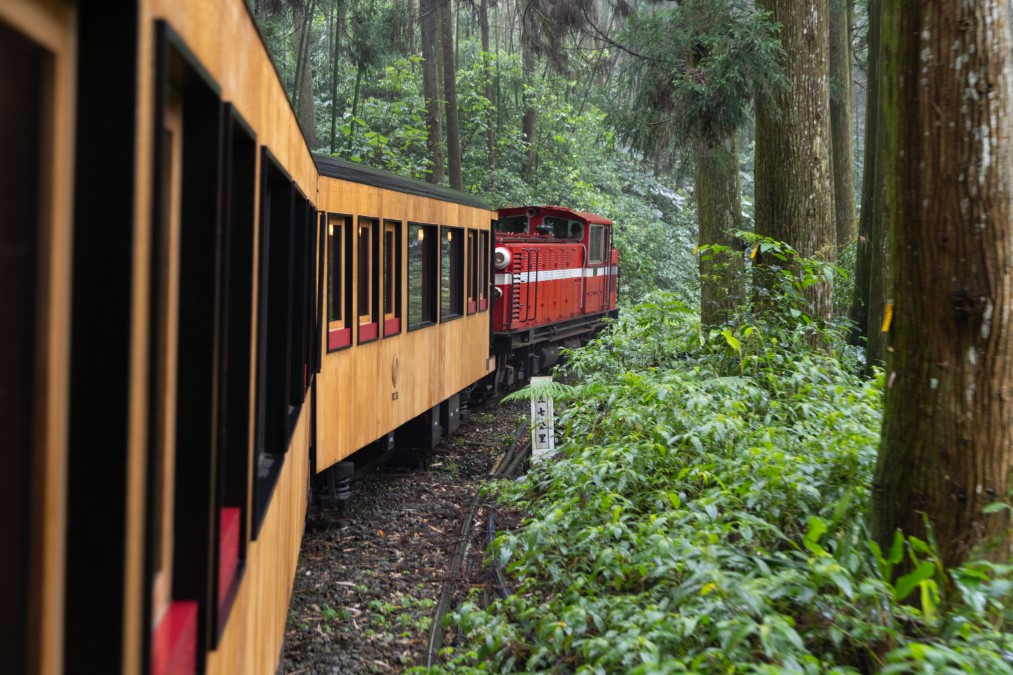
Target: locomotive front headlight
x,y
501,258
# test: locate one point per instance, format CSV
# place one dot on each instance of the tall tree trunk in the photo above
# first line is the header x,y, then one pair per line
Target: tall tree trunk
x,y
490,139
336,60
794,182
302,16
431,85
529,125
722,287
842,122
872,264
450,95
859,313
947,441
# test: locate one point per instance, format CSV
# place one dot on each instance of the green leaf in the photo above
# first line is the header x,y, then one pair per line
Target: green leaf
x,y
911,580
732,341
816,529
896,548
919,546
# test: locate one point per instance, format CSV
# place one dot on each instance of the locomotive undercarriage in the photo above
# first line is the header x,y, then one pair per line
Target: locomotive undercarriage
x,y
524,353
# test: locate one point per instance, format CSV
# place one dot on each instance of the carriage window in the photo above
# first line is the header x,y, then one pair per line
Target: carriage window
x,y
391,277
166,296
483,270
22,109
367,277
235,307
596,244
473,271
422,268
339,287
451,272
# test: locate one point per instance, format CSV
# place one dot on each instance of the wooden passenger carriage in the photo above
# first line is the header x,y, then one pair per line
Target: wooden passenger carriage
x,y
196,314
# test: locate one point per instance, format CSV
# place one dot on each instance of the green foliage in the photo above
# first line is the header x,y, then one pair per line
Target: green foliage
x,y
579,163
696,68
707,515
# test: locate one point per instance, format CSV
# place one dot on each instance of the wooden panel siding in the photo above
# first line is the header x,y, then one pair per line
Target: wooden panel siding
x,y
358,401
251,642
224,38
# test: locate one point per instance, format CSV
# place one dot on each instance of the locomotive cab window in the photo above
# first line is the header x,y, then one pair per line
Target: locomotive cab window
x,y
422,270
596,245
451,273
565,229
391,277
339,282
367,278
512,225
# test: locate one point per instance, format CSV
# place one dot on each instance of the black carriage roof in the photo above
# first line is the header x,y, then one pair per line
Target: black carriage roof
x,y
357,173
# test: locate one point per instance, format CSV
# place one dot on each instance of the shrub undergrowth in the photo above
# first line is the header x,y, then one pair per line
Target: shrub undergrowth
x,y
705,514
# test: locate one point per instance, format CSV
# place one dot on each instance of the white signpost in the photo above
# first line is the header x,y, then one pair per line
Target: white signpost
x,y
542,441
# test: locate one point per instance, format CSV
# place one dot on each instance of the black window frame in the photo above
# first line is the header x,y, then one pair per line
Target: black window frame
x,y
195,448
452,275
391,286
371,327
235,326
484,265
472,273
339,230
280,394
428,271
27,91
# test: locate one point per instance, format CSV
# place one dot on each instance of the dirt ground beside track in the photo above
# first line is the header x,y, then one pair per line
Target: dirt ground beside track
x,y
369,578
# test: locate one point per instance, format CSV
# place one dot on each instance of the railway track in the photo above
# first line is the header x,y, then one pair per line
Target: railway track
x,y
507,465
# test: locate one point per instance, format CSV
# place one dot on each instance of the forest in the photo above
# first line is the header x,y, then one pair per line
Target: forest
x,y
792,452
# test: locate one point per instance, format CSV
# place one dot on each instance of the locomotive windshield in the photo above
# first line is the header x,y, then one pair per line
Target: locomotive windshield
x,y
513,225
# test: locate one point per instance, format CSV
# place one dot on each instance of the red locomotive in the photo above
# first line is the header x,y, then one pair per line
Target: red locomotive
x,y
556,274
